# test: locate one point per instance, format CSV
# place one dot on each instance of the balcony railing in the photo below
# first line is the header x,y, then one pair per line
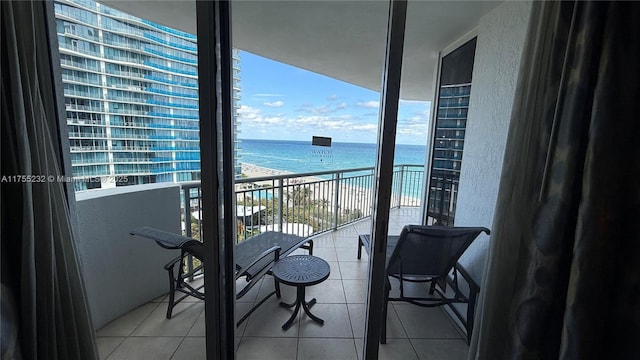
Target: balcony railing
x,y
305,203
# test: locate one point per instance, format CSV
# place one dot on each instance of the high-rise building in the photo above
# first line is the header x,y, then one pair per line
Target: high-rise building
x,y
131,97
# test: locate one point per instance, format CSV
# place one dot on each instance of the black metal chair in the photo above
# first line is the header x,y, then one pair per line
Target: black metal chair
x,y
429,254
254,258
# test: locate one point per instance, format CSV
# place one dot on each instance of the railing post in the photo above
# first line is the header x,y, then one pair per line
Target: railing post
x,y
187,225
336,190
400,186
280,202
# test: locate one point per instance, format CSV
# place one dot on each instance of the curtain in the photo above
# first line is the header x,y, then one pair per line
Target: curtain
x,y
42,288
563,272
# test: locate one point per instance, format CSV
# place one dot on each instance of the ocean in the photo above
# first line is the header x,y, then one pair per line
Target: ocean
x,y
300,156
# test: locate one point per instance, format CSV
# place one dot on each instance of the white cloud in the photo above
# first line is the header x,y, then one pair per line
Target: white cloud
x,y
274,103
340,123
333,97
369,104
254,117
342,105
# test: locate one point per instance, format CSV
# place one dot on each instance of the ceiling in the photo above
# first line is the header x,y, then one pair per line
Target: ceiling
x,y
341,39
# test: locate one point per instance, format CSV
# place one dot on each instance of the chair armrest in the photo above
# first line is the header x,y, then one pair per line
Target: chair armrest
x,y
274,249
172,263
473,286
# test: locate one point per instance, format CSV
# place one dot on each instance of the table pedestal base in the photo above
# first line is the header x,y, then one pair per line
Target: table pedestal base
x,y
305,306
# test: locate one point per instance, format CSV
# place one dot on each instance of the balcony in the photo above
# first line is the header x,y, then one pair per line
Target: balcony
x,y
131,318
414,332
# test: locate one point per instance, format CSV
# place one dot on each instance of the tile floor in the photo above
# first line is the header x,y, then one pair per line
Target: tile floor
x,y
413,332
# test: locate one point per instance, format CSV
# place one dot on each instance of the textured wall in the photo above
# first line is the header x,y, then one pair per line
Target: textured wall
x,y
120,271
500,43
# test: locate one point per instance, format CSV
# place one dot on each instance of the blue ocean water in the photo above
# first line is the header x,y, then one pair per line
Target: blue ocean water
x,y
300,156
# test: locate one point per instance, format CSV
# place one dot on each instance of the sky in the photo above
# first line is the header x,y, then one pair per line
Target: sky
x,y
282,102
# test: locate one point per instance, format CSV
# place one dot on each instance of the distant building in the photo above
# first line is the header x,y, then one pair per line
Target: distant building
x,y
131,97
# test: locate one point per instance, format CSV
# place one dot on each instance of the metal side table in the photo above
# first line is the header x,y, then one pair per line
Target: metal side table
x,y
301,271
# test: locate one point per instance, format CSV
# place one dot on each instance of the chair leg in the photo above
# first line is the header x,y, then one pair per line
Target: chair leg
x,y
359,248
172,290
277,285
471,306
383,333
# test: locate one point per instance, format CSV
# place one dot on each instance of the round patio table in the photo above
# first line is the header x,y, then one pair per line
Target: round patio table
x,y
301,271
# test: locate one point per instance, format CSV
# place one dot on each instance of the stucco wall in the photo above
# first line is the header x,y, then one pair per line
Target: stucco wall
x,y
120,271
501,39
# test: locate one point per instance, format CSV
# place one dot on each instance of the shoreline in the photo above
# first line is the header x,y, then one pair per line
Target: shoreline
x,y
319,190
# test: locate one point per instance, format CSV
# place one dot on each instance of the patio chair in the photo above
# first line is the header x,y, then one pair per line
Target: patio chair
x,y
254,258
429,254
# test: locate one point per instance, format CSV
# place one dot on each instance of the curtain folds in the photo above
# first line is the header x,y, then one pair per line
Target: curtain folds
x,y
563,276
40,269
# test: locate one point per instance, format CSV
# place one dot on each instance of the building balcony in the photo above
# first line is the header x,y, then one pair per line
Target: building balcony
x,y
130,315
413,332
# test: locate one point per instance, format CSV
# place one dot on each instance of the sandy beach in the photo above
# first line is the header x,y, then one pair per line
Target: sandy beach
x,y
350,197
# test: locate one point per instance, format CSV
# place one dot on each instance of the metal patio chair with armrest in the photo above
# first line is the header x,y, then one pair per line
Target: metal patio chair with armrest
x,y
254,258
429,254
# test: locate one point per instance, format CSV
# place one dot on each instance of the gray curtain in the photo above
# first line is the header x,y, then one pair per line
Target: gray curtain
x,y
563,273
47,316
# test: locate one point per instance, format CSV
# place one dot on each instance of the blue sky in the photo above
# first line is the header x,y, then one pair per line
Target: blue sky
x,y
281,102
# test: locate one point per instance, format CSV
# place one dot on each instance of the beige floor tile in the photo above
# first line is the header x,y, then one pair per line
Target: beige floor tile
x,y
440,349
257,348
353,270
287,292
327,253
267,321
425,323
355,291
346,241
252,295
183,318
192,348
323,242
326,349
350,253
336,322
106,345
396,349
327,292
395,329
335,270
198,329
127,323
146,348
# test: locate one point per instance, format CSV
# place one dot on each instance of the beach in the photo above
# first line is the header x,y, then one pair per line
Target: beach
x,y
350,196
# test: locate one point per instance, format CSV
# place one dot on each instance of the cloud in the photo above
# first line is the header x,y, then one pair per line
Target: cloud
x,y
316,110
369,104
341,123
342,105
254,117
333,97
274,103
416,125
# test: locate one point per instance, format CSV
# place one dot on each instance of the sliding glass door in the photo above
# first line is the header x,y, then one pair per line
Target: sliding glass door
x,y
293,113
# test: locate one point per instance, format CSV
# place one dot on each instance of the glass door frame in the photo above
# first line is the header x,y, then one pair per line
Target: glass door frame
x,y
216,148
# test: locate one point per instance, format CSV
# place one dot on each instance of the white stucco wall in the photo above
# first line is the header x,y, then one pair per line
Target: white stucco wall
x,y
121,271
500,43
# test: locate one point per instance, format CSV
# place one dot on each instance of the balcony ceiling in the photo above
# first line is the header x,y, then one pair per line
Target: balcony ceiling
x,y
339,39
